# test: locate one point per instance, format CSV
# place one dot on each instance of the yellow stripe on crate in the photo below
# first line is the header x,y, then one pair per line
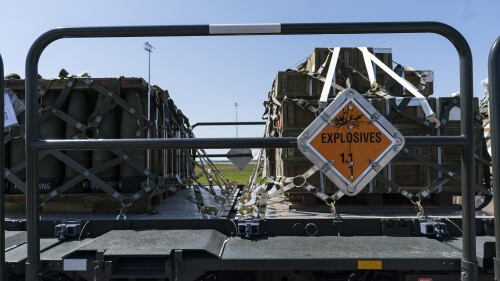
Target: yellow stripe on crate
x,y
369,264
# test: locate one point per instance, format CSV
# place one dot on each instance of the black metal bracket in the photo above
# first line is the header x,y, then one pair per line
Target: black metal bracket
x,y
248,228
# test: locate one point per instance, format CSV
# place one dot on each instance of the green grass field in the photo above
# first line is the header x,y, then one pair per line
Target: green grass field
x,y
230,172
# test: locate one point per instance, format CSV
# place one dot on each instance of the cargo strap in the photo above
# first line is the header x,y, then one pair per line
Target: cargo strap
x,y
429,113
291,183
261,164
121,102
272,107
288,183
261,200
415,199
369,68
333,56
61,98
399,70
87,174
400,109
100,110
307,106
205,173
329,77
435,186
47,112
70,121
448,172
215,171
42,90
11,176
73,181
15,180
393,187
455,102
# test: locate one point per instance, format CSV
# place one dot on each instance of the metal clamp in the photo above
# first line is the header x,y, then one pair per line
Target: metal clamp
x,y
248,228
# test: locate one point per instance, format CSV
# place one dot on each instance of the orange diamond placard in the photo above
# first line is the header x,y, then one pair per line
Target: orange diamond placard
x,y
350,142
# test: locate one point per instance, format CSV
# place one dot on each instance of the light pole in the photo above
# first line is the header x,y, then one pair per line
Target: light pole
x,y
236,107
149,48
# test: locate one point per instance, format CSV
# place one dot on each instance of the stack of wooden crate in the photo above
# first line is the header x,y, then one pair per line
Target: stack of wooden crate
x,y
291,86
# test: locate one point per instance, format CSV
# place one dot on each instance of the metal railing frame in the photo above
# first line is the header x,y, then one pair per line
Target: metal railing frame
x,y
494,114
34,145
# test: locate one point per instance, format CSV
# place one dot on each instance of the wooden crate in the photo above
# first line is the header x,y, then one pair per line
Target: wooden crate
x,y
294,116
384,106
412,175
351,63
86,203
454,153
414,77
385,55
296,85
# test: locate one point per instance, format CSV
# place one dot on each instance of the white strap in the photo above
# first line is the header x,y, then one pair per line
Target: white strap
x,y
429,113
369,66
329,75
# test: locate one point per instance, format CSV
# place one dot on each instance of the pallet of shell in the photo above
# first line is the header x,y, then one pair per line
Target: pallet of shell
x,y
98,108
88,203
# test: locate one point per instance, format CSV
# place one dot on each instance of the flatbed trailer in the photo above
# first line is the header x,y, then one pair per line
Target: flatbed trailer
x,y
357,248
191,248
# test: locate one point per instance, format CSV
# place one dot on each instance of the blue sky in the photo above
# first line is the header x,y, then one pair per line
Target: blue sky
x,y
207,75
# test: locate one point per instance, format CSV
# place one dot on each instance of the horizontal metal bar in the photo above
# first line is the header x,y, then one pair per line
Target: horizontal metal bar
x,y
438,141
105,144
227,156
228,123
164,143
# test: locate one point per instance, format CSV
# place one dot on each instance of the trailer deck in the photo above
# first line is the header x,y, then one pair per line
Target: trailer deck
x,y
177,240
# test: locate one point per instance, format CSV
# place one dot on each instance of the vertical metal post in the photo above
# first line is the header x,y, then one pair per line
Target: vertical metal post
x,y
149,48
469,262
33,266
3,268
494,103
236,107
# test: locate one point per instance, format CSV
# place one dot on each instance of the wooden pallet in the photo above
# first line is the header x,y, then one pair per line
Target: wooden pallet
x,y
86,203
